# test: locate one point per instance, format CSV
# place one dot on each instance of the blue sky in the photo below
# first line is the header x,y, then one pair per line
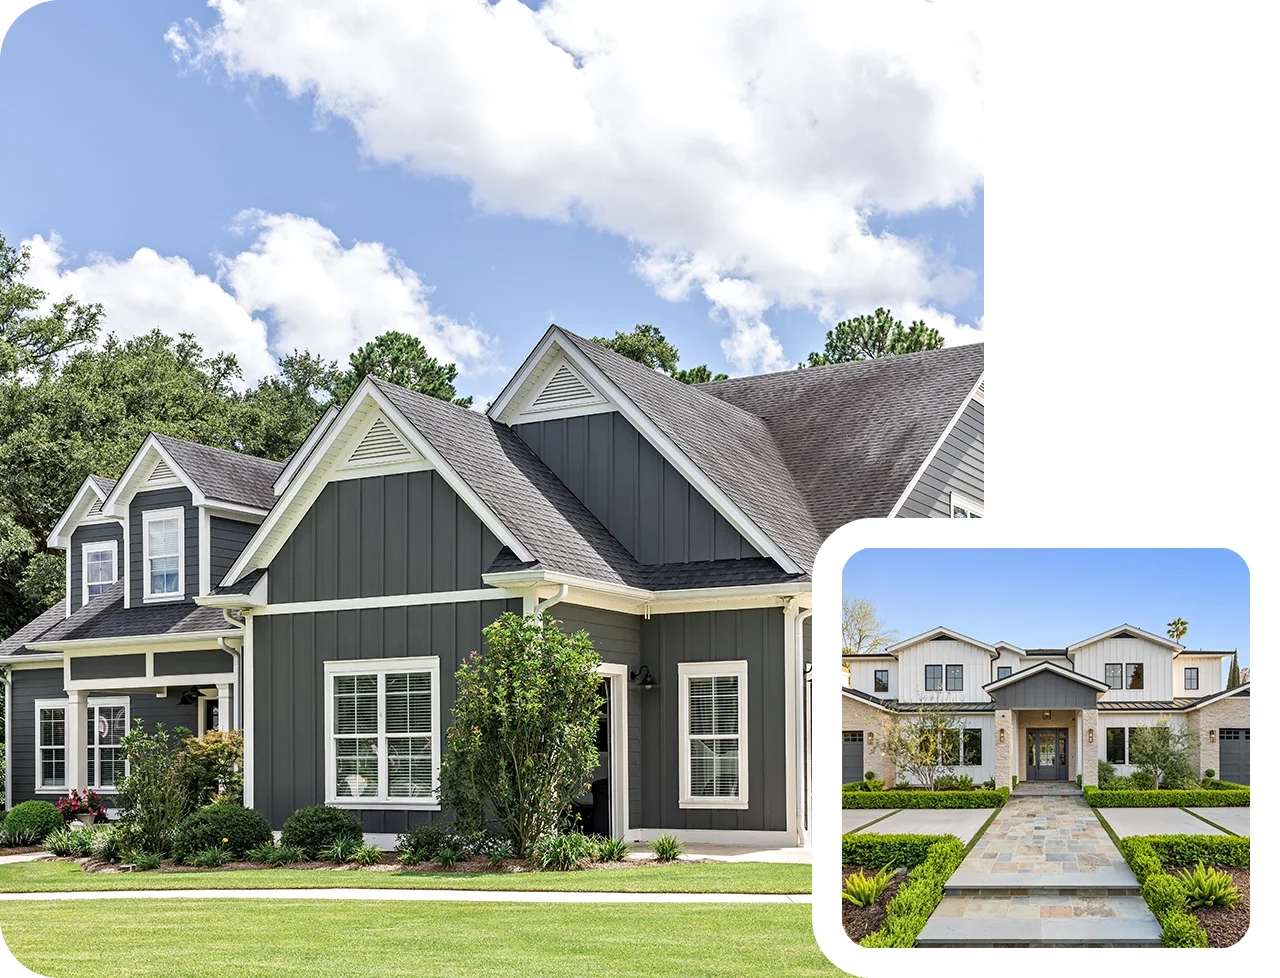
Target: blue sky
x,y
124,144
1052,598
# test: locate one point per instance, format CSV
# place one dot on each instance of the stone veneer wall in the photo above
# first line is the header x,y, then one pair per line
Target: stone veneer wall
x,y
1004,748
1230,712
858,715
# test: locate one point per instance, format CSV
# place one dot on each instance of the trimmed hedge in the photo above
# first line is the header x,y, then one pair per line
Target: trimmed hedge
x,y
918,897
36,816
224,824
875,849
316,828
1187,850
1165,894
925,799
1209,784
1201,798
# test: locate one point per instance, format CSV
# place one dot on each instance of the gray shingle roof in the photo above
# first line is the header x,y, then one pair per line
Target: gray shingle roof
x,y
242,586
107,617
853,434
732,447
225,475
32,631
103,484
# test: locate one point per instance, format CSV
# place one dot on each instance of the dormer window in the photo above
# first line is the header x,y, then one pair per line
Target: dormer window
x,y
162,556
100,563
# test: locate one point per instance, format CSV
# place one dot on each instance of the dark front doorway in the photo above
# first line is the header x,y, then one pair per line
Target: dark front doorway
x,y
593,807
1047,755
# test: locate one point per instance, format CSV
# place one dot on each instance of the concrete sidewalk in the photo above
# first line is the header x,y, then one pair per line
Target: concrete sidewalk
x,y
451,896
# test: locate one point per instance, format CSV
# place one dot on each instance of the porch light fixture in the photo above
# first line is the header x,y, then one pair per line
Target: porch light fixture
x,y
871,737
1091,735
1002,735
643,678
1213,736
1047,714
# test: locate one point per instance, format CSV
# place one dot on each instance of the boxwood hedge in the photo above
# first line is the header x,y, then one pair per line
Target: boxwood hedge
x,y
874,849
1164,893
1209,784
926,799
1200,798
918,897
1187,850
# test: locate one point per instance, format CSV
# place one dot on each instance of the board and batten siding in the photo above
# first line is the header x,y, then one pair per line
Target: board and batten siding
x,y
164,499
1046,691
754,635
629,487
1211,670
1157,667
943,652
1114,718
862,674
92,533
289,653
958,467
227,538
395,534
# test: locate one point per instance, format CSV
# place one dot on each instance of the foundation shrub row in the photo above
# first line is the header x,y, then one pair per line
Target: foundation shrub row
x,y
933,859
1110,797
1169,896
979,798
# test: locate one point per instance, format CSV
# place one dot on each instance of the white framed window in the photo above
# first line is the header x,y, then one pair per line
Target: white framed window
x,y
964,508
162,554
99,565
51,746
382,733
713,734
108,722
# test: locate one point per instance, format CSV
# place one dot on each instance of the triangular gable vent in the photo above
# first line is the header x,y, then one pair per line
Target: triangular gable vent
x,y
563,389
96,508
380,445
161,473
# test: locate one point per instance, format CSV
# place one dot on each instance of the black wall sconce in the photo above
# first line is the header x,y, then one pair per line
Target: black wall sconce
x,y
643,678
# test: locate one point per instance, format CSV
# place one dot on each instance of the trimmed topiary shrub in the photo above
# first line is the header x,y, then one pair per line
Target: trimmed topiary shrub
x,y
221,825
925,799
37,818
1183,930
876,849
1208,784
1164,895
316,828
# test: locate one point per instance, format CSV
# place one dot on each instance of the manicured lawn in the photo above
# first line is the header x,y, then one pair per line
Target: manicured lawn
x,y
503,940
39,877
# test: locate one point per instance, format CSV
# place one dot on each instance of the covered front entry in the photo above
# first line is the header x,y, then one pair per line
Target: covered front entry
x,y
1047,754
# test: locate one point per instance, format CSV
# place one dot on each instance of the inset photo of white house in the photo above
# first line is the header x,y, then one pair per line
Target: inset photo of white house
x,y
1045,748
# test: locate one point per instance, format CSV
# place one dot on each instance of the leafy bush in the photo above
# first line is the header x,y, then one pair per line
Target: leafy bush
x,y
223,824
210,858
59,843
80,803
667,848
1112,797
1183,930
36,818
1143,780
498,851
366,854
151,799
340,850
143,860
423,843
863,891
1164,895
916,899
989,784
868,775
263,852
1210,773
953,782
315,828
82,843
571,850
1142,859
271,854
1208,784
1015,781
612,850
1121,782
1079,780
105,843
447,856
885,849
1162,754
211,768
1106,771
926,799
1208,887
19,839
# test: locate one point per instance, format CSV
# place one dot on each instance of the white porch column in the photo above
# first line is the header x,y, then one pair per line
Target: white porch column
x,y
1080,744
76,730
224,706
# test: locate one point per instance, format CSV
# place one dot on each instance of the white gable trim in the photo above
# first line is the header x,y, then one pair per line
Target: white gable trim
x,y
60,536
144,460
1110,632
274,530
655,436
933,633
557,389
304,450
933,452
1057,670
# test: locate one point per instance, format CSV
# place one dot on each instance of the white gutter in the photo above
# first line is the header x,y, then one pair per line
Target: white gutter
x,y
8,740
235,669
162,638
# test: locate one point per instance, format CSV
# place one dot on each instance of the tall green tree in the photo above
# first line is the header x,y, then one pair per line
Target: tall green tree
x,y
646,344
1177,629
399,358
874,336
30,340
1233,674
283,408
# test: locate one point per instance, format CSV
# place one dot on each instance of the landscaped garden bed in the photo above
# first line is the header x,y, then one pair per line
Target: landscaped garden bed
x,y
900,911
919,798
859,921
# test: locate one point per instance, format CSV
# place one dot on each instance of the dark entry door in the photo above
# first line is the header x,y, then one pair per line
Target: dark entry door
x,y
1233,755
1047,755
852,756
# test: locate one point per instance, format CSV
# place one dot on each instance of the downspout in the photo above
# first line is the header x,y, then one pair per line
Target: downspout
x,y
556,598
235,669
804,799
8,741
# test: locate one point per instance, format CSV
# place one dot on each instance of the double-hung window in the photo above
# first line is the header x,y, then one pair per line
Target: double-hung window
x,y
955,678
107,723
382,732
1115,675
882,681
99,568
1191,677
713,728
162,555
964,508
1133,675
932,677
51,745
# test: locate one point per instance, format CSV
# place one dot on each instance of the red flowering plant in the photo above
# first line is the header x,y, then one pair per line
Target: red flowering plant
x,y
80,803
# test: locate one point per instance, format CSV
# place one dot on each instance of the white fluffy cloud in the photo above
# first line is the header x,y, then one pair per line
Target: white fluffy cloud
x,y
294,273
743,146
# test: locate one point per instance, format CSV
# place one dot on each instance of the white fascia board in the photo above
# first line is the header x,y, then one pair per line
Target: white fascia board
x,y
60,536
304,450
937,447
127,642
530,364
1047,667
934,633
30,661
1149,636
1011,647
234,511
1236,691
116,503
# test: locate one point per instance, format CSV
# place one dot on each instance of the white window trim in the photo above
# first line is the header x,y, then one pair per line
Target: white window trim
x,y
970,506
380,668
95,547
64,705
687,671
150,516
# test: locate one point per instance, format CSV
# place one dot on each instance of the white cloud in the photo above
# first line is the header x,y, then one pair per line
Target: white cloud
x,y
294,274
741,146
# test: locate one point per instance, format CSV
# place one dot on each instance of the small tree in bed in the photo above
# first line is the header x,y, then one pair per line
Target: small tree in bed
x,y
1164,752
522,744
923,745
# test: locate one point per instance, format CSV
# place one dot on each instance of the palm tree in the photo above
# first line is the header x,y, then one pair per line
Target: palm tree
x,y
1177,629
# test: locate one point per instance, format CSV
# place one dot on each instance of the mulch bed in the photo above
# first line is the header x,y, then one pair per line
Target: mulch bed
x,y
1226,925
389,863
861,921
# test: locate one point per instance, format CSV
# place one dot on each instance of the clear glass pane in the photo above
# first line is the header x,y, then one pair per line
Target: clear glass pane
x,y
99,565
409,769
53,732
110,767
110,726
713,768
409,703
355,704
53,767
357,767
164,575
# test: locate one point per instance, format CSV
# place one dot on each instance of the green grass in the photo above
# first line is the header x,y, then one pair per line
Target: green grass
x,y
40,877
293,939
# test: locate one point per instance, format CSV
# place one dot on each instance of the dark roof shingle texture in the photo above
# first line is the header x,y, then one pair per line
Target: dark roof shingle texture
x,y
33,630
107,617
225,475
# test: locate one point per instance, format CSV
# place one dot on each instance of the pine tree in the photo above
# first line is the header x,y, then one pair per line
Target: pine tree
x,y
1233,677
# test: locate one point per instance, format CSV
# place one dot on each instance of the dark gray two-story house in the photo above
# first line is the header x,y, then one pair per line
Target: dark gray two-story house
x,y
323,604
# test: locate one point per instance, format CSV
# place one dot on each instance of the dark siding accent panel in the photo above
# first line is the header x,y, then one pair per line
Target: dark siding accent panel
x,y
630,488
164,499
192,663
958,467
754,635
152,710
616,637
108,666
227,539
93,533
289,656
29,685
1045,691
408,533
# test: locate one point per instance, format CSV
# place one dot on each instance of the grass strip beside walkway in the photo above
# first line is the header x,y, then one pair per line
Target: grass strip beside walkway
x,y
1220,828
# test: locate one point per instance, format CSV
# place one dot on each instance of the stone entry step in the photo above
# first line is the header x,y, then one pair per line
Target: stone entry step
x,y
1103,883
1043,932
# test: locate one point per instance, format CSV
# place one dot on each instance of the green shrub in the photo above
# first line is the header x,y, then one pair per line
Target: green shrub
x,y
1106,771
953,782
210,858
885,849
612,850
1079,780
38,818
856,786
498,851
211,768
570,850
1112,797
1210,773
1208,887
152,800
366,854
863,891
59,842
1164,895
447,856
422,842
105,843
314,829
1015,781
989,784
143,860
868,775
224,824
667,848
340,850
1143,780
81,843
1186,850
1183,930
926,799
1121,782
918,897
1208,784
